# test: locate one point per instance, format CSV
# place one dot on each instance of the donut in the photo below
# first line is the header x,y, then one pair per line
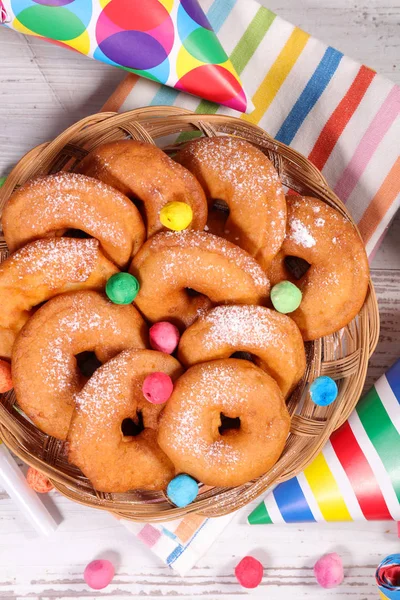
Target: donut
x,y
115,462
41,270
236,172
53,204
273,340
149,177
336,284
169,264
44,365
225,424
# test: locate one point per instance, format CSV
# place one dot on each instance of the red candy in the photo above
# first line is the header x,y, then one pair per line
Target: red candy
x,y
98,574
38,482
249,572
157,387
164,337
6,383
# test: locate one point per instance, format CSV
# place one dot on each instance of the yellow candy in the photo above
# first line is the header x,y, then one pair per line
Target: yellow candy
x,y
176,215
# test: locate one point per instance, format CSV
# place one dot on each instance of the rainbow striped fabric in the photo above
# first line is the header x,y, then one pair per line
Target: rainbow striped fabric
x,y
356,476
340,114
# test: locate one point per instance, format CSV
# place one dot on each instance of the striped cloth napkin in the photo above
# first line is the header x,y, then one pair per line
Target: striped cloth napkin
x,y
340,114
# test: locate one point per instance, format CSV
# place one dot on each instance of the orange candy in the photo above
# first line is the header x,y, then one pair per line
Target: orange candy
x,y
6,383
38,482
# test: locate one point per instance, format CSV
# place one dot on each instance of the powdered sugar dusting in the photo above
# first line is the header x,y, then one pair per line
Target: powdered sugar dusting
x,y
237,172
58,372
213,389
72,197
211,243
244,327
300,234
97,399
57,260
82,318
233,161
67,182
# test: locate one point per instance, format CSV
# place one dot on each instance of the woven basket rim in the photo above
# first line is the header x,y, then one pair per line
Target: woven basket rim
x,y
343,356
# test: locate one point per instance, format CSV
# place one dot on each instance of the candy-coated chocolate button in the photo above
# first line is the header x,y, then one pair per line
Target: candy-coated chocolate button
x,y
38,481
286,297
176,215
249,572
328,571
122,288
98,574
323,390
164,337
182,490
157,387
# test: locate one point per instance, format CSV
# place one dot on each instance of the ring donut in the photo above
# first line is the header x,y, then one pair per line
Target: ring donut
x,y
53,204
44,368
147,175
41,270
236,172
273,340
190,430
171,263
336,284
112,461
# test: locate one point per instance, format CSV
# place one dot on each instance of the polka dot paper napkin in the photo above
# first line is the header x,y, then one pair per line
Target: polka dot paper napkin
x,y
168,41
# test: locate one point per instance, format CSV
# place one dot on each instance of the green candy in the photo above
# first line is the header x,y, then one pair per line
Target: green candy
x,y
286,297
122,288
2,180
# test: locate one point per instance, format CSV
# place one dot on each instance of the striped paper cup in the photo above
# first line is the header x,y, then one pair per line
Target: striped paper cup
x,y
356,476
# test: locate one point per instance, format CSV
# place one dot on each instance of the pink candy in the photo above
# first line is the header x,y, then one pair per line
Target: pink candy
x,y
328,570
157,387
249,572
98,574
164,337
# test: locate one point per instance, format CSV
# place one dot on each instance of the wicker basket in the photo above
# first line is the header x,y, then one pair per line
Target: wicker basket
x,y
343,356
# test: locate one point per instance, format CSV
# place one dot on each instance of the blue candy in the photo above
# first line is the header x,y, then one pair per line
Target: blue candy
x,y
182,490
323,391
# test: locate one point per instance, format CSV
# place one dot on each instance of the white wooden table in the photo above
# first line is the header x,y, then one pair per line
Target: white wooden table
x,y
43,89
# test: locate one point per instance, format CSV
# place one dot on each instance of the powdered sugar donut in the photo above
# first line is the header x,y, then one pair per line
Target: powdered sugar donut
x,y
225,423
170,264
114,460
236,172
335,286
53,204
274,341
44,365
146,174
41,270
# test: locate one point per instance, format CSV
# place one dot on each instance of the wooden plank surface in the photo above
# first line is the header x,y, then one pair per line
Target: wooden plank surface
x,y
43,89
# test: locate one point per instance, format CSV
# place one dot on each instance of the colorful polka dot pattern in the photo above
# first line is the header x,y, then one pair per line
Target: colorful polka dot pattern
x,y
169,41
